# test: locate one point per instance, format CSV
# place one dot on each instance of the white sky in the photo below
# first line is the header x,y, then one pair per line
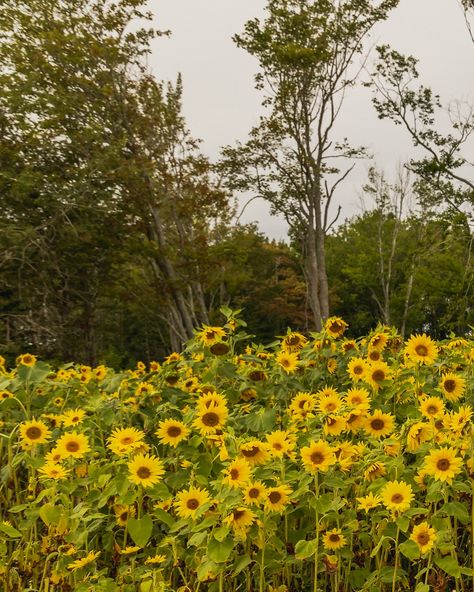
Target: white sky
x,y
221,105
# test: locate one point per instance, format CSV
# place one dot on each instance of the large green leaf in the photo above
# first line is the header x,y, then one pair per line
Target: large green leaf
x,y
140,529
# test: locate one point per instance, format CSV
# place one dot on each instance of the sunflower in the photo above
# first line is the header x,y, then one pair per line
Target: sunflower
x,y
6,395
288,361
237,473
397,496
302,405
456,420
280,443
374,356
424,536
239,520
129,550
293,342
334,539
356,369
277,498
210,335
379,424
319,456
418,434
190,501
54,456
100,372
171,432
255,452
374,471
89,558
376,373
52,470
335,425
123,513
73,444
211,419
348,345
422,349
26,360
358,398
329,403
368,502
72,417
145,470
335,327
210,398
432,407
34,432
255,493
453,386
155,559
144,388
378,342
124,440
443,464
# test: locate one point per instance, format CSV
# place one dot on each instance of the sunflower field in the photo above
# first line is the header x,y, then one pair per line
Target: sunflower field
x,y
314,463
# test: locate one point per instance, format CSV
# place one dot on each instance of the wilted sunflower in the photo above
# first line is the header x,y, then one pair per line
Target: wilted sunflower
x,y
255,452
255,493
34,432
210,419
318,456
237,473
432,407
422,349
356,368
172,432
277,498
443,464
379,424
397,496
334,539
453,386
145,470
424,536
124,440
89,558
335,327
190,501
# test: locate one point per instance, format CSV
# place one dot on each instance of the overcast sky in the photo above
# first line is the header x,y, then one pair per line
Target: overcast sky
x,y
221,105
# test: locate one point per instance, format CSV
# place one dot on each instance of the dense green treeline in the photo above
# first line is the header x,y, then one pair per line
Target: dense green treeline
x,y
118,236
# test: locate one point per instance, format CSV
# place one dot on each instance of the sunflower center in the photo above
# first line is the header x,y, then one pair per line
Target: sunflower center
x,y
357,370
421,350
274,497
210,419
302,403
143,472
234,474
238,514
72,446
449,385
192,503
124,516
336,327
317,458
356,401
443,464
432,410
374,356
174,431
397,498
378,375
254,493
334,538
277,446
330,406
126,440
251,452
377,424
423,538
33,433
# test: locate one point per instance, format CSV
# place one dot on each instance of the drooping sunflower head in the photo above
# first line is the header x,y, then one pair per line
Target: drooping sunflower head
x,y
34,432
335,327
421,349
172,432
293,342
374,470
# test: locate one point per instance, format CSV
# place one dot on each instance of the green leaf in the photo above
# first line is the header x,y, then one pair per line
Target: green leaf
x,y
403,522
219,551
422,587
140,529
305,549
449,565
50,514
10,531
221,533
410,549
241,564
458,510
197,539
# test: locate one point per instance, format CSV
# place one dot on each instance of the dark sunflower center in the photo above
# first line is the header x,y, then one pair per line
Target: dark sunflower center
x,y
329,406
143,472
124,516
251,452
72,446
174,431
302,403
374,356
33,432
277,446
317,458
238,514
432,410
421,350
336,327
443,464
423,538
274,497
331,421
397,498
449,385
378,375
127,440
357,370
254,493
334,538
210,334
377,424
192,503
210,419
234,474
356,400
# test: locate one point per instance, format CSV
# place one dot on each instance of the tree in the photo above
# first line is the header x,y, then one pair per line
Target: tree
x,y
306,50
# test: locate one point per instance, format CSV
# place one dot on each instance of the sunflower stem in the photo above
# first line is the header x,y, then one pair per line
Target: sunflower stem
x,y
262,561
394,580
316,554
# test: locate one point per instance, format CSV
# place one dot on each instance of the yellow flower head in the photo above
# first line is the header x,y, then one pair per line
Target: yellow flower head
x,y
53,471
72,417
334,539
369,502
397,496
145,470
432,407
26,360
288,361
379,424
319,456
190,501
255,452
293,342
335,327
421,349
237,474
89,558
443,464
255,493
34,432
172,432
277,498
124,440
356,368
453,386
424,536
210,335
